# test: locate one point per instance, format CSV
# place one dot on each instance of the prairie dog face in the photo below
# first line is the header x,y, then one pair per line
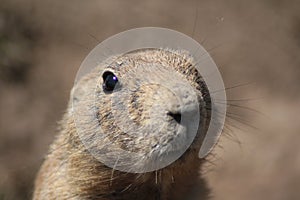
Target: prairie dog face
x,y
148,106
138,122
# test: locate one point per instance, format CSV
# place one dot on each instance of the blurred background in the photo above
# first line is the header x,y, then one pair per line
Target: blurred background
x,y
256,45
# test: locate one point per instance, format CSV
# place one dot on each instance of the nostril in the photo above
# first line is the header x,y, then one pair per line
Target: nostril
x,y
175,116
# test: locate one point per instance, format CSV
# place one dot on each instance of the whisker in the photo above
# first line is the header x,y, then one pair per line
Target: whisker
x,y
113,170
127,188
110,51
207,53
195,22
94,37
241,121
80,45
232,87
240,100
243,107
210,161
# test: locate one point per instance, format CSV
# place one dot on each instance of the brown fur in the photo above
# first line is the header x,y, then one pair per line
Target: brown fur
x,y
71,172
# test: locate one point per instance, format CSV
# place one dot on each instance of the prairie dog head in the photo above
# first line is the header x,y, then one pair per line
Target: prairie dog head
x,y
142,110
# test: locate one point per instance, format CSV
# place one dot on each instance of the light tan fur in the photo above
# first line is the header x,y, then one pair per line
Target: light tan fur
x,y
71,172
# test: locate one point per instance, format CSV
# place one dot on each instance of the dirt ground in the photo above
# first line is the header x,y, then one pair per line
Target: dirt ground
x,y
42,44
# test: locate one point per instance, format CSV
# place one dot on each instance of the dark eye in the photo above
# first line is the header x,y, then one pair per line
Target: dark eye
x,y
109,81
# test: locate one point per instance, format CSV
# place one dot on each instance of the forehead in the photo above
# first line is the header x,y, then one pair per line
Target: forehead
x,y
165,57
180,61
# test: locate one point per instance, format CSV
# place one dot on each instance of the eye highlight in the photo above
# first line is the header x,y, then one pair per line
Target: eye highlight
x,y
110,81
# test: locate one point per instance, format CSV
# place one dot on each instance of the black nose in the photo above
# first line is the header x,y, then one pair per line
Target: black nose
x,y
175,116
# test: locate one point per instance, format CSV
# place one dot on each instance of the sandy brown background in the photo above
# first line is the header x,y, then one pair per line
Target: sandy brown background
x,y
43,42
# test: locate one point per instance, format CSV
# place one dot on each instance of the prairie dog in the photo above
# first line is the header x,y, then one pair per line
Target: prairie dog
x,y
122,92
